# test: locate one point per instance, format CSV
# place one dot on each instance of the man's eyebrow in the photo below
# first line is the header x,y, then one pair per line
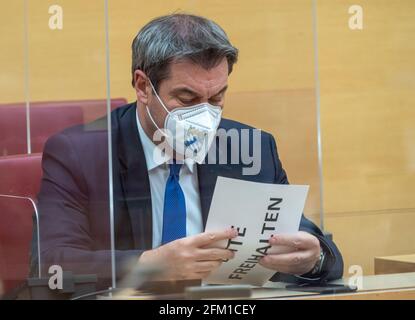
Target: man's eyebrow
x,y
182,90
187,90
222,90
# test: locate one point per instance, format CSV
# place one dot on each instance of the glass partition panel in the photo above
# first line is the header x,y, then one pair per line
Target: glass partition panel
x,y
68,105
272,88
368,132
15,224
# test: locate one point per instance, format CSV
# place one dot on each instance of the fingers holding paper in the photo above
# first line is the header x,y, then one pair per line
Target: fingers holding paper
x,y
190,257
300,253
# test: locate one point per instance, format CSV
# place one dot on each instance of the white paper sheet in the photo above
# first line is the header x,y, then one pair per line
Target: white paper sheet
x,y
258,210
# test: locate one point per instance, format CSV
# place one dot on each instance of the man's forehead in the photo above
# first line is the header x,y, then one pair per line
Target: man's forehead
x,y
197,78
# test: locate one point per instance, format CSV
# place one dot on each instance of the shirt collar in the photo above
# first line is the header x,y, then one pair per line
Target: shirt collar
x,y
149,148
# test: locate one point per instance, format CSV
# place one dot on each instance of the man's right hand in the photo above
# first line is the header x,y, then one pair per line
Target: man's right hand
x,y
189,258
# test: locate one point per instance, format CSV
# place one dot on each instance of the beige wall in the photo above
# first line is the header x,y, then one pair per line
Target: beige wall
x,y
367,77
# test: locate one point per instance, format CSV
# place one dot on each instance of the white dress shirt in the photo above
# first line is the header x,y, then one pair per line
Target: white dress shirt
x,y
158,173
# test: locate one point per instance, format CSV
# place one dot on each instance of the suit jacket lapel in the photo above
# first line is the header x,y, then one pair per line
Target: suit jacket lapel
x,y
207,180
134,180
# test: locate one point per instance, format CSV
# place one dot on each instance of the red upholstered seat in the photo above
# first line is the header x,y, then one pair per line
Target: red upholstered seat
x,y
19,176
44,122
46,119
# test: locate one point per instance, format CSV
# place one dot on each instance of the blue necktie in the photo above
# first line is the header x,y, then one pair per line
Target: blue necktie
x,y
174,214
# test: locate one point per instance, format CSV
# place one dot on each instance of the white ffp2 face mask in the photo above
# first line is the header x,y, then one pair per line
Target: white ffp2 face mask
x,y
190,130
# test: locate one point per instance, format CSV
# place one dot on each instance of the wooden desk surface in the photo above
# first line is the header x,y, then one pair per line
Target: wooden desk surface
x,y
395,264
410,258
390,286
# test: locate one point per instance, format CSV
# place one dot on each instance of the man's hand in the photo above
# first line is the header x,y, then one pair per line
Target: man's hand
x,y
303,256
188,258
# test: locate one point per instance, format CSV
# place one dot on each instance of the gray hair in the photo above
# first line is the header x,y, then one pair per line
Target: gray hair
x,y
177,37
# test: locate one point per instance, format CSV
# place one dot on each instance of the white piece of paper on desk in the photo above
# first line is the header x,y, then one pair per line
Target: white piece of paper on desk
x,y
258,210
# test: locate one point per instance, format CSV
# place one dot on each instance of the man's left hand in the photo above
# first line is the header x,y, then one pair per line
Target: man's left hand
x,y
300,258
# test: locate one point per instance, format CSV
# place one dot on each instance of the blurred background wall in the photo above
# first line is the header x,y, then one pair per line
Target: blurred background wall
x,y
366,81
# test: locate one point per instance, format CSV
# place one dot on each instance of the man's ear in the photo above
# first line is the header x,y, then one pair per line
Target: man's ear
x,y
140,86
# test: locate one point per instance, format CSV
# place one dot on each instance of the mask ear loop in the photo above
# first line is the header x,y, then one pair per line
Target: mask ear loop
x,y
148,110
158,98
154,123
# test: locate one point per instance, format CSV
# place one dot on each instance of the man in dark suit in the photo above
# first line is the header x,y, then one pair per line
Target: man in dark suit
x,y
161,200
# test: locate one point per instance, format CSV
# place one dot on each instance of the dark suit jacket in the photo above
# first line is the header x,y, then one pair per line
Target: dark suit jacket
x,y
74,197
